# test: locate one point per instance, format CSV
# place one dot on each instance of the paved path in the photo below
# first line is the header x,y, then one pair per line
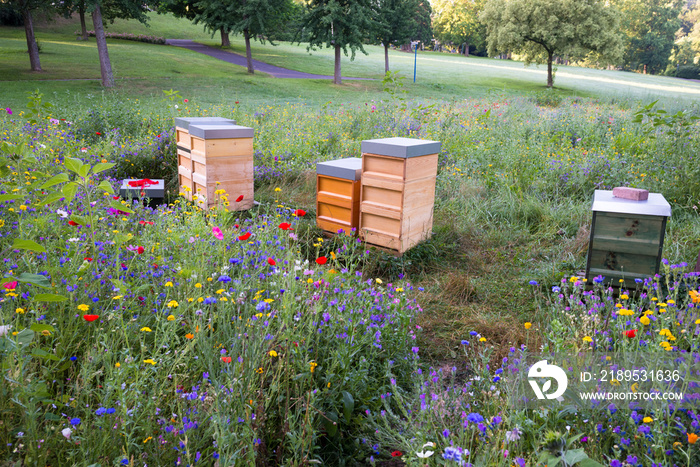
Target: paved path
x,y
236,59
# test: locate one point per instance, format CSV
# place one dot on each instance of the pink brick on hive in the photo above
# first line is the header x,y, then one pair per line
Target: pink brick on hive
x,y
635,194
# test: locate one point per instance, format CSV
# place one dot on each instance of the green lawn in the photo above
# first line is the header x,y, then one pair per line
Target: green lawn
x,y
143,70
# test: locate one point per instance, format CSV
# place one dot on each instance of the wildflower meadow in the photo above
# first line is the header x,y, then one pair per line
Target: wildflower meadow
x,y
144,334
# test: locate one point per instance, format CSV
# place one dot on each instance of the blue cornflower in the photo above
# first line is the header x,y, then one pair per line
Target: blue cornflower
x,y
75,421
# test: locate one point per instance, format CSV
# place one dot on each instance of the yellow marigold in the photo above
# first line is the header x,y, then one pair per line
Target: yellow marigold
x,y
644,320
145,329
272,353
528,325
168,284
20,311
647,419
171,318
313,366
83,307
149,360
173,304
587,339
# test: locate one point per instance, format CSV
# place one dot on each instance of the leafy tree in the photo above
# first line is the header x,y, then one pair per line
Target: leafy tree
x,y
252,18
424,25
340,24
191,10
127,9
457,21
539,29
26,7
396,24
649,28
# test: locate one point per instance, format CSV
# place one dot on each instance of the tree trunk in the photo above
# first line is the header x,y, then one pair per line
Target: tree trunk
x,y
83,27
32,47
337,78
248,53
386,59
466,50
225,41
101,41
550,78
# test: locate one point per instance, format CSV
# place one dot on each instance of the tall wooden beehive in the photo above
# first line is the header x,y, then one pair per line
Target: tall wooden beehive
x,y
627,237
184,147
398,191
222,159
338,194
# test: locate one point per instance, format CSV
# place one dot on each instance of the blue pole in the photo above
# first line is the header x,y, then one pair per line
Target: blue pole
x,y
415,60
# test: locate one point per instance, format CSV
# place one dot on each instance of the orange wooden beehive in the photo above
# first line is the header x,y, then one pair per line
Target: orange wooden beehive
x,y
398,191
184,146
222,159
338,195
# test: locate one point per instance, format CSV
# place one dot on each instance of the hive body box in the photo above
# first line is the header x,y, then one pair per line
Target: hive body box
x,y
184,148
338,194
627,237
398,191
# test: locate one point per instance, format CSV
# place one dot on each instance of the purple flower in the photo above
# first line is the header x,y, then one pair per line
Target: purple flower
x,y
615,463
9,111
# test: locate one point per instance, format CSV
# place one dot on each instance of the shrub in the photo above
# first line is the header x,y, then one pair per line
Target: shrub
x,y
688,72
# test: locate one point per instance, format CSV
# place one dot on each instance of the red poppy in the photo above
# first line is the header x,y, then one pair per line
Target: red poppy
x,y
285,225
300,213
90,318
140,250
98,133
116,197
88,259
321,260
186,101
244,237
396,454
239,199
236,102
72,223
236,225
631,333
271,261
226,359
145,222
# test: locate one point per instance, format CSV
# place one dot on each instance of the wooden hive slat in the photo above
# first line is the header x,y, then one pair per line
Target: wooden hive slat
x,y
398,191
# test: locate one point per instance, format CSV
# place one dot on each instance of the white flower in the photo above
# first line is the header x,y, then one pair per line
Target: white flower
x,y
5,330
424,454
62,213
67,432
513,435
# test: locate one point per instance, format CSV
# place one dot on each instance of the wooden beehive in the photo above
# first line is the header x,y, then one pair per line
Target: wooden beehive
x,y
627,238
338,194
222,159
184,146
398,191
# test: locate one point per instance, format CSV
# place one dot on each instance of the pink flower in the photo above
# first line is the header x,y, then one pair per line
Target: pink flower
x,y
217,233
9,111
10,285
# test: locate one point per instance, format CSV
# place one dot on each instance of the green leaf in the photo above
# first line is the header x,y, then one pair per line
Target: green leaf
x,y
78,219
120,206
102,166
73,164
52,417
575,455
69,191
49,297
25,337
41,353
330,422
38,327
10,197
106,186
84,170
55,180
588,462
52,198
348,405
34,279
28,245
